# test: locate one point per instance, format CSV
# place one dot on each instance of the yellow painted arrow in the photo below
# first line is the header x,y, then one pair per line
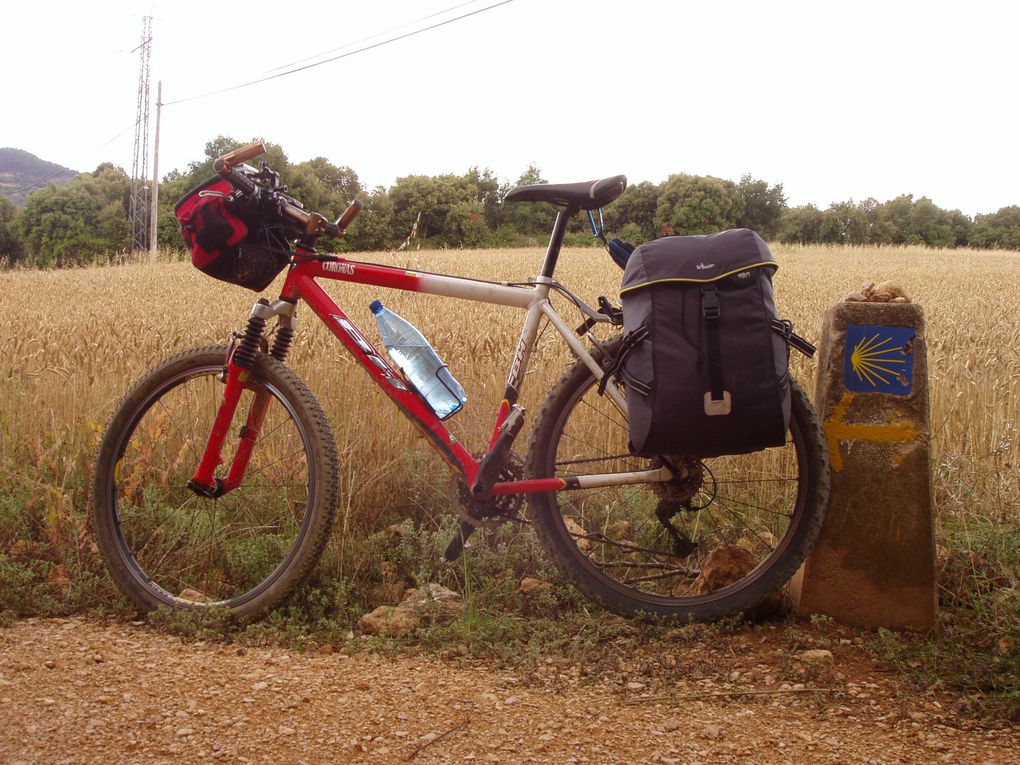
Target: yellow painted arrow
x,y
837,429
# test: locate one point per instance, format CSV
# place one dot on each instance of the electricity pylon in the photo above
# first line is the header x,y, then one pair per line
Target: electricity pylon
x,y
139,203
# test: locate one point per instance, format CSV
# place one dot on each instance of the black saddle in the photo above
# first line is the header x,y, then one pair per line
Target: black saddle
x,y
589,195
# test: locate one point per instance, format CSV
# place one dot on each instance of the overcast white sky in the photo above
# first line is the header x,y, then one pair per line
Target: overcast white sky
x,y
835,100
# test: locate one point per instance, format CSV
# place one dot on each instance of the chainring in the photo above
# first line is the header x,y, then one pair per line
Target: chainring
x,y
499,509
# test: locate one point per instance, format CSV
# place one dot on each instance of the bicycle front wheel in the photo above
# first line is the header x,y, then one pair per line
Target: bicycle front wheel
x,y
245,551
713,542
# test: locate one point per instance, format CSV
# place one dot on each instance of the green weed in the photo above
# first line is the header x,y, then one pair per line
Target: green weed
x,y
974,650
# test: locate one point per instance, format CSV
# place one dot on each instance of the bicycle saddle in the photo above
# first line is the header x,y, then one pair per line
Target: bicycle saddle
x,y
588,195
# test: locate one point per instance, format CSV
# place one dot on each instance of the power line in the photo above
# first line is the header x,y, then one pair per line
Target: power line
x,y
302,68
38,183
345,46
121,133
41,181
337,58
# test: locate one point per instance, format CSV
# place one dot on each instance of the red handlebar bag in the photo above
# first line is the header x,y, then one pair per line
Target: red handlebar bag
x,y
227,241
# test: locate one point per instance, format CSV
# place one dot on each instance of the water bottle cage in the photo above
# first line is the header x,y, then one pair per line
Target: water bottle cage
x,y
419,394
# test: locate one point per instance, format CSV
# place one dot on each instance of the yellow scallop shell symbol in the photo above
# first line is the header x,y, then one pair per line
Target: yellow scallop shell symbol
x,y
874,361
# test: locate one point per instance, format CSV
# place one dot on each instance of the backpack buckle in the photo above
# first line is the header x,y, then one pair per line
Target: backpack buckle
x,y
717,406
710,303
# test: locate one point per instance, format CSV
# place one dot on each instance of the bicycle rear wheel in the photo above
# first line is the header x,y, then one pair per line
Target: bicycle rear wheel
x,y
741,525
247,550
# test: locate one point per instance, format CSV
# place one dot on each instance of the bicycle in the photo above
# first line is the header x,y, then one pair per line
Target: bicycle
x,y
180,525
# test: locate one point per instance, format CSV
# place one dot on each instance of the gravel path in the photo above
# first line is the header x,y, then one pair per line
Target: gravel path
x,y
79,691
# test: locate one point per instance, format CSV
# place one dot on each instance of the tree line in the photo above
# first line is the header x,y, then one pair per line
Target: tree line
x,y
87,219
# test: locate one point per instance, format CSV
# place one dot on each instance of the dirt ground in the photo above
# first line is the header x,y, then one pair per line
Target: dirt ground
x,y
80,691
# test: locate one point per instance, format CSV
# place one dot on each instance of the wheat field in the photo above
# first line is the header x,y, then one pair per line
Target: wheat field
x,y
75,340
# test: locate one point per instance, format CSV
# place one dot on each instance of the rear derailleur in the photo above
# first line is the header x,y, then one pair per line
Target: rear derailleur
x,y
686,492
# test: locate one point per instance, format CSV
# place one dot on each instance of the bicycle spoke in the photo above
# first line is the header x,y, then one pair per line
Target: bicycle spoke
x,y
192,443
262,469
643,548
191,525
163,523
229,550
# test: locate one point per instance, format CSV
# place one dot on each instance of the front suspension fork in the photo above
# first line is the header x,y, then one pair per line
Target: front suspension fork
x,y
238,370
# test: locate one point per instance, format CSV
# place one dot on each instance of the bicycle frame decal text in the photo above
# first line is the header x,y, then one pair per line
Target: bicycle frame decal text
x,y
515,369
366,347
339,267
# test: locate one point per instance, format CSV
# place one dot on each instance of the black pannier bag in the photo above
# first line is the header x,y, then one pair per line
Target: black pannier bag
x,y
227,239
705,354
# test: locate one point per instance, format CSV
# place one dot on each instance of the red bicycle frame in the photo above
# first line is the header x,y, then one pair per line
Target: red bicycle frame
x,y
301,285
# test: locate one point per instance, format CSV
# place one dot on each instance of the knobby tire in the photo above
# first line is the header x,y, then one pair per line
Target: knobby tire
x,y
246,551
755,514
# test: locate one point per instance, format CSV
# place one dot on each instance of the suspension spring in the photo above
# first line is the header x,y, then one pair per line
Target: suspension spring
x,y
244,356
281,343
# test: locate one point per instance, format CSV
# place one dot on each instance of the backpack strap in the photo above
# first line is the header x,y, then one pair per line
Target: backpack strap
x,y
717,400
630,341
785,328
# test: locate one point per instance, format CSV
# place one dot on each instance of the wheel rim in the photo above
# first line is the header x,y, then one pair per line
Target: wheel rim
x,y
751,510
193,552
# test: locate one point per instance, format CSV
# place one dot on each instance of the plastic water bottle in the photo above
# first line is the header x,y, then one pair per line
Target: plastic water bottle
x,y
419,363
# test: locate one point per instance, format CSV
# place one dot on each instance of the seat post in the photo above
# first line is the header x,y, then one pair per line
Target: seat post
x,y
552,254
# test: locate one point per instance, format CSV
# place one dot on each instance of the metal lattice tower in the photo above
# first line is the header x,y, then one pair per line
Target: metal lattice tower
x,y
139,204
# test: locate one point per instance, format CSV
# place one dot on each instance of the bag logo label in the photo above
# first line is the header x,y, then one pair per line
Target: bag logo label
x,y
705,266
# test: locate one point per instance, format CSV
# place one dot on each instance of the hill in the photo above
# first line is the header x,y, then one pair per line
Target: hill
x,y
22,173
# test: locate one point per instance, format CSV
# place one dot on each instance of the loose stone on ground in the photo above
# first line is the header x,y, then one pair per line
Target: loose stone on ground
x,y
155,698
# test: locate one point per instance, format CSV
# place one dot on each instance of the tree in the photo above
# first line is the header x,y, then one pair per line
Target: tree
x,y
763,206
172,187
931,225
373,228
532,221
465,225
895,217
341,181
422,205
999,230
844,223
10,246
802,225
634,212
879,228
73,224
201,169
312,192
961,226
531,177
487,192
88,218
904,220
697,204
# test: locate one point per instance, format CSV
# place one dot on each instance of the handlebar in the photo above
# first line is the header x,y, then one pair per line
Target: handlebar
x,y
352,211
312,224
240,181
237,156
